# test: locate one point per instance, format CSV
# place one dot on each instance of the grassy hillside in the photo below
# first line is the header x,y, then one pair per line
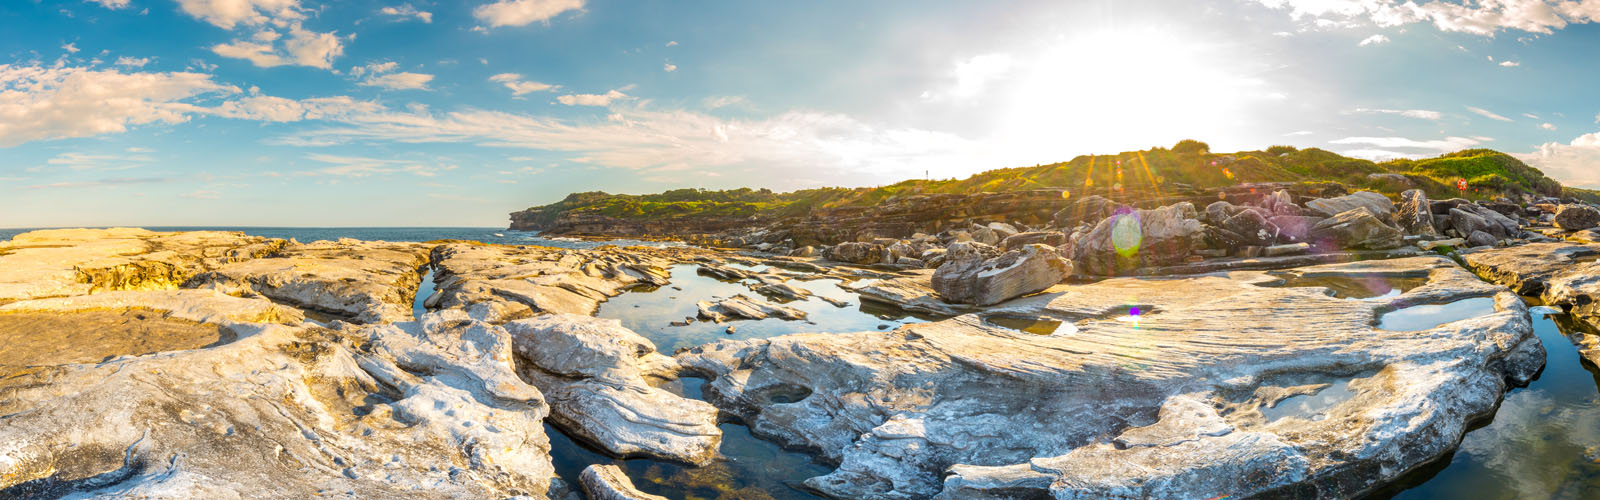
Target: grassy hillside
x,y
1150,172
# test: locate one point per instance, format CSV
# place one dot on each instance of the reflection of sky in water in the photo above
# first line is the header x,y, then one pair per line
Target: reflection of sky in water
x,y
1311,406
1358,287
651,312
1423,317
424,290
1536,445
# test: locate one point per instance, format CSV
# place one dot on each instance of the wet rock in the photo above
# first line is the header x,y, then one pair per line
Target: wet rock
x,y
1357,228
1143,238
592,373
967,279
742,307
608,482
911,293
1168,408
369,282
1415,215
1376,204
855,253
783,291
1577,217
1527,269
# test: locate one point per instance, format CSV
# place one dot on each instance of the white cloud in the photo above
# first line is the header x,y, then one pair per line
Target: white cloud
x,y
78,161
1485,17
592,99
302,48
399,81
406,11
675,140
1421,114
111,4
278,109
42,103
523,12
1510,64
1447,144
356,166
669,67
1373,40
1487,114
1573,164
1298,133
673,43
1531,115
226,14
132,62
514,82
203,194
973,75
71,48
1547,126
723,101
374,68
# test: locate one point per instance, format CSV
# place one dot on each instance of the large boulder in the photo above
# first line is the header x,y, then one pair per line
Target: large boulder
x,y
1577,217
1415,214
1052,238
1355,229
1379,205
1294,228
1252,227
855,253
966,279
1466,222
1140,238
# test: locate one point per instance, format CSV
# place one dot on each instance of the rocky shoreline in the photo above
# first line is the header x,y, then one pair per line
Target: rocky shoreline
x,y
1238,348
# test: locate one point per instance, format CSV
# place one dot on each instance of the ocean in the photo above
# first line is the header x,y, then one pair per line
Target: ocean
x,y
309,234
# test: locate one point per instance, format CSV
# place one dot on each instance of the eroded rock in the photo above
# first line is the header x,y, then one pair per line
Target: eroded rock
x,y
368,282
969,279
1577,217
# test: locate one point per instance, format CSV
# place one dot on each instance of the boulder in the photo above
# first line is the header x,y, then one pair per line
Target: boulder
x,y
1143,238
1280,202
1294,228
1415,215
1466,223
1250,225
1378,205
1355,229
805,251
855,253
1577,217
1481,239
592,372
608,482
1003,230
985,235
1087,210
1219,211
965,279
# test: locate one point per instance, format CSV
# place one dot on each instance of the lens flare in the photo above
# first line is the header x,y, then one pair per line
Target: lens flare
x,y
1127,234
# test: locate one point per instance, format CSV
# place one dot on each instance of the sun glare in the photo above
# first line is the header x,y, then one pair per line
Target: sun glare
x,y
1121,90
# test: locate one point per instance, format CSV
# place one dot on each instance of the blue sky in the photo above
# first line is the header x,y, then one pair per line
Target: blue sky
x,y
388,112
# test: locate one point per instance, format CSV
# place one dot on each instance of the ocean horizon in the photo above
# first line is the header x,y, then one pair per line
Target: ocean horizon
x,y
492,235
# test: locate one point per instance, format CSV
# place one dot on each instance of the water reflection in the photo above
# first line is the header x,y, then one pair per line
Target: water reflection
x,y
1542,443
1311,406
1356,287
1425,316
650,311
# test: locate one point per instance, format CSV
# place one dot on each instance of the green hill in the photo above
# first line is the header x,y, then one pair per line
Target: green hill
x,y
1185,166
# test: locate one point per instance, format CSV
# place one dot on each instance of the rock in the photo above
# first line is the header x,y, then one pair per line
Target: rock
x,y
1254,228
592,372
608,482
502,283
1170,408
805,251
1586,236
855,253
65,262
912,293
783,291
1294,228
1143,238
1219,211
1452,242
985,236
1280,202
1466,223
367,282
1482,239
1577,217
966,279
1378,205
1288,249
742,307
1528,269
1415,216
285,412
1052,238
1003,230
1357,228
1090,209
911,263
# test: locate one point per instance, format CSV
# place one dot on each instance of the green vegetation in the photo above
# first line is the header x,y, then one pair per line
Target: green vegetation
x,y
1148,173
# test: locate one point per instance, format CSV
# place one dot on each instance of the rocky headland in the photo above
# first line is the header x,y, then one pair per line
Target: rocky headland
x,y
1280,342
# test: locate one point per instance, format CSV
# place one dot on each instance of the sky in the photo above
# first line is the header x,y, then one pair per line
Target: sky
x,y
454,113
